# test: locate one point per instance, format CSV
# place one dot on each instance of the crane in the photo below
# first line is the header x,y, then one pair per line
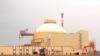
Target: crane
x,y
91,46
24,33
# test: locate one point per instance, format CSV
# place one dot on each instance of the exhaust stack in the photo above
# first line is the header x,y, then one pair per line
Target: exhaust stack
x,y
62,22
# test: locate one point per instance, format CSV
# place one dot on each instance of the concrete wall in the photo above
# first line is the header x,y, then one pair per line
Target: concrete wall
x,y
6,50
65,40
84,36
76,40
41,35
9,50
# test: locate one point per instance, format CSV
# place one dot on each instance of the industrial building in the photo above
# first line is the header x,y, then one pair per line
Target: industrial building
x,y
50,34
54,38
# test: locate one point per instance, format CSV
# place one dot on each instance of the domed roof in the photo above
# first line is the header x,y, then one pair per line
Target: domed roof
x,y
50,27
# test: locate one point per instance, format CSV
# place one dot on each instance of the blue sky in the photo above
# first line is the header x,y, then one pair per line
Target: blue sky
x,y
16,15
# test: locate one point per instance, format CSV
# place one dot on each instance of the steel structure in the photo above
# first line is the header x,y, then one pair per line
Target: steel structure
x,y
91,47
24,33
